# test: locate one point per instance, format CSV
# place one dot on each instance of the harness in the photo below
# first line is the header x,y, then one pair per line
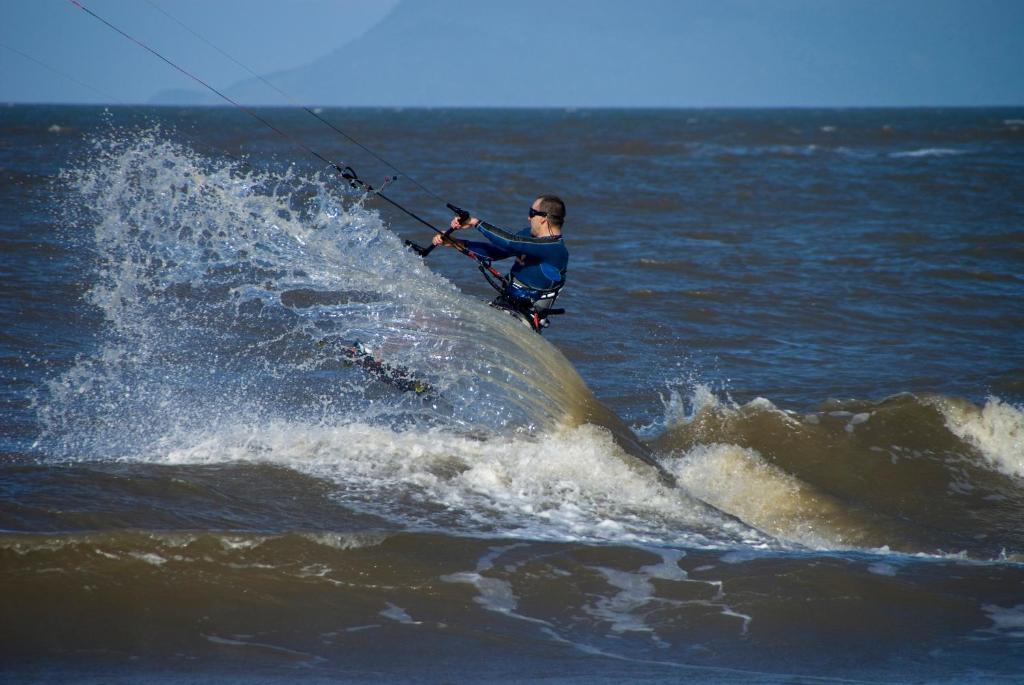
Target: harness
x,y
533,311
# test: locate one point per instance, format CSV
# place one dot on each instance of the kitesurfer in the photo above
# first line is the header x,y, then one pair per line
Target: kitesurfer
x,y
540,253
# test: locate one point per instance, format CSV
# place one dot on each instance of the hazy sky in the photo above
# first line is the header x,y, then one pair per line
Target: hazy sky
x,y
264,35
492,52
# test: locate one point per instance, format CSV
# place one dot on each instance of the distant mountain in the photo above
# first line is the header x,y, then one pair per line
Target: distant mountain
x,y
464,53
554,53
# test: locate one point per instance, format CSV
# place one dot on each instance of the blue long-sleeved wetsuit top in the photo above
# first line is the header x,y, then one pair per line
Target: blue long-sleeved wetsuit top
x,y
540,262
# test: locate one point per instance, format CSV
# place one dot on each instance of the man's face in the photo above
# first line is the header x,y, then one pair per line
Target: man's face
x,y
538,227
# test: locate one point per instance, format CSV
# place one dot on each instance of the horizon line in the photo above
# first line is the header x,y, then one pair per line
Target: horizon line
x,y
562,108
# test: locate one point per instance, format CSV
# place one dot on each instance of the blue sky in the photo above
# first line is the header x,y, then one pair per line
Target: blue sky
x,y
265,35
491,52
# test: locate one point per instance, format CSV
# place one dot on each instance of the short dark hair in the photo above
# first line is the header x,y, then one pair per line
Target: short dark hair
x,y
553,206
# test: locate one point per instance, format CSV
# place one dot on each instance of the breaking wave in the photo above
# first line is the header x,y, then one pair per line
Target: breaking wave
x,y
909,473
224,290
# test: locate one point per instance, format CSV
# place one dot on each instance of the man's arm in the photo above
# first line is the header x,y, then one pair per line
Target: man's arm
x,y
516,244
487,250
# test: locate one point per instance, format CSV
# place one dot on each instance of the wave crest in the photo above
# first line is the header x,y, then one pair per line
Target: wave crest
x,y
922,474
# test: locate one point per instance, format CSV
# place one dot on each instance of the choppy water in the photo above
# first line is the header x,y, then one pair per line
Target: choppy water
x,y
812,319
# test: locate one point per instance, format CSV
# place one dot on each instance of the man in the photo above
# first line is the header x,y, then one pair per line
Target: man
x,y
540,253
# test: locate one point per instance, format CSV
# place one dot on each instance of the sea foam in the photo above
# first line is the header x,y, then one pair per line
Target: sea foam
x,y
576,484
996,430
927,152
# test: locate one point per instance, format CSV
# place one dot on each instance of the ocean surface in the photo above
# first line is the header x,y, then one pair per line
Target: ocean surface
x,y
812,319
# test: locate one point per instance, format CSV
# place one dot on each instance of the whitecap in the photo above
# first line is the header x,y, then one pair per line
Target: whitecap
x,y
882,569
927,152
398,614
149,557
1006,621
996,430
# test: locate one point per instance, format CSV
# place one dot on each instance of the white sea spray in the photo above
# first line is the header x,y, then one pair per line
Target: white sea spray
x,y
996,430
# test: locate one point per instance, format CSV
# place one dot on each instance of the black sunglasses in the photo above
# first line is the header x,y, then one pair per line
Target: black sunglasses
x,y
536,212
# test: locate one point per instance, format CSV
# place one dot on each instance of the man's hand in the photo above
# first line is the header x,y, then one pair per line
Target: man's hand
x,y
440,239
456,225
